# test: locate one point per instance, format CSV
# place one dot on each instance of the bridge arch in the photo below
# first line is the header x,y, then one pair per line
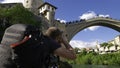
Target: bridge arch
x,y
74,28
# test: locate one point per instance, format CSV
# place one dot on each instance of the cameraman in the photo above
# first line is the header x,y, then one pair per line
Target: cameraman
x,y
34,49
58,36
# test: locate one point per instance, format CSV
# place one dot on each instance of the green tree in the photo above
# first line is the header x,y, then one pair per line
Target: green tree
x,y
19,14
104,45
16,14
76,50
83,51
109,45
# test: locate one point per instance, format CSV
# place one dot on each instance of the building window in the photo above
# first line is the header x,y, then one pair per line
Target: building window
x,y
27,1
48,7
53,9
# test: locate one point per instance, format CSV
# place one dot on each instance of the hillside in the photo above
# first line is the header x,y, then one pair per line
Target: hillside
x,y
16,14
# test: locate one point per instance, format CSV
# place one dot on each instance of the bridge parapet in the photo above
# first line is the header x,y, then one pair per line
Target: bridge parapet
x,y
102,18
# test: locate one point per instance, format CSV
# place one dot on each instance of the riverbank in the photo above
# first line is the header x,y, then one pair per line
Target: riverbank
x,y
97,59
95,66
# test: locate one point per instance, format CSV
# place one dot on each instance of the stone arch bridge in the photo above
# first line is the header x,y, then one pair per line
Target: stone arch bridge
x,y
73,28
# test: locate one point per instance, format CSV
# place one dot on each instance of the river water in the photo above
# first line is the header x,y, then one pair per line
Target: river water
x,y
95,66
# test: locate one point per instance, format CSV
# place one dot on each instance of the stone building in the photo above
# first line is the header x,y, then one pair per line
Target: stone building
x,y
32,5
48,11
116,45
117,40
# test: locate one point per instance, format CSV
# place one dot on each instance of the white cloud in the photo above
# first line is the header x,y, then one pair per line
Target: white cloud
x,y
92,14
101,15
83,44
88,15
61,21
92,28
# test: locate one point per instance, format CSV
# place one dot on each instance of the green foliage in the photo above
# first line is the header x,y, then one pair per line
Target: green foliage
x,y
16,14
97,59
104,44
76,50
19,14
2,12
84,52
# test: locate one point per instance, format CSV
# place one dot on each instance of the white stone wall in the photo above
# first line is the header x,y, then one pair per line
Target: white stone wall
x,y
112,48
48,11
117,40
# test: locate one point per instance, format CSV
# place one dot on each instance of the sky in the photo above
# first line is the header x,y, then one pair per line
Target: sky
x,y
70,10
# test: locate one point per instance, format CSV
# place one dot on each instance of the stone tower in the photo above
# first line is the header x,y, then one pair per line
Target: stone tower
x,y
33,5
48,11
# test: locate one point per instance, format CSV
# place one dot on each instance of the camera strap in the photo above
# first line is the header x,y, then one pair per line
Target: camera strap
x,y
18,43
